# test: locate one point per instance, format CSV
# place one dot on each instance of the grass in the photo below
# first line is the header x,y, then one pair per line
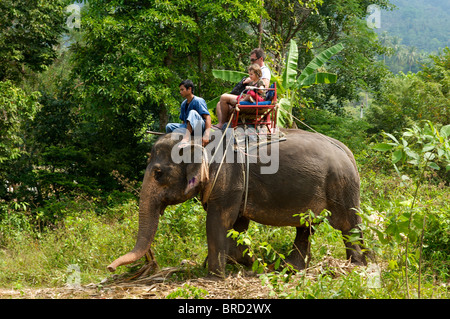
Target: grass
x,y
90,236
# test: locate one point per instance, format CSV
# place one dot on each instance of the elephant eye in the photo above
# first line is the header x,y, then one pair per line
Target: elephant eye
x,y
157,173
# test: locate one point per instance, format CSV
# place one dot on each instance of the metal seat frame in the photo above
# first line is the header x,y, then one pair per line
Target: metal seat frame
x,y
258,114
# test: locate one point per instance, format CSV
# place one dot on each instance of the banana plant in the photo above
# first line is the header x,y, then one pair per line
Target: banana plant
x,y
226,75
289,84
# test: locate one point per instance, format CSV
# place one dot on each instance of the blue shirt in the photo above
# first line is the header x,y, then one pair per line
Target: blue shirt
x,y
198,104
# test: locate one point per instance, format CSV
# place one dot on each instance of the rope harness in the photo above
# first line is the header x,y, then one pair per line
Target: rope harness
x,y
242,152
246,153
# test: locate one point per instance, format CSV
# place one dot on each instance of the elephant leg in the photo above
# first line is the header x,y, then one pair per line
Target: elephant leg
x,y
353,250
346,224
218,222
301,253
217,245
236,252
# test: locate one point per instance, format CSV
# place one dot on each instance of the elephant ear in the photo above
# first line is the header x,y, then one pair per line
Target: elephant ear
x,y
197,173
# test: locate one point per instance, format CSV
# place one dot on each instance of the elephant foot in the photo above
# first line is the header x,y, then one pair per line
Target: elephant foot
x,y
356,255
296,260
358,261
241,260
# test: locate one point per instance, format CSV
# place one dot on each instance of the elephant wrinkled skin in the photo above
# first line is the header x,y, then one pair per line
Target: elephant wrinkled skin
x,y
314,173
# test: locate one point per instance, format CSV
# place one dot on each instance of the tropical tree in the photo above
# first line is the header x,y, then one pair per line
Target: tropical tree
x,y
405,98
411,57
29,33
289,85
17,107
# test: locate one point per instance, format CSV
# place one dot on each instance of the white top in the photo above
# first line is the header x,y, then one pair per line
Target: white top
x,y
265,72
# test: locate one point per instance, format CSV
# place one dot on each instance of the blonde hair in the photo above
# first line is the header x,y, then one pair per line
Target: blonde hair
x,y
256,69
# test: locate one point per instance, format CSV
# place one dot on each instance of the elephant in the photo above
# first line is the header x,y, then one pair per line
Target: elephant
x,y
315,172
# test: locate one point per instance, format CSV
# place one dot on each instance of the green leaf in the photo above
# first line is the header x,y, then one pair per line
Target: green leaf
x,y
434,166
412,154
318,61
381,237
277,263
290,70
228,75
392,137
428,147
383,147
397,155
445,131
403,227
213,103
280,86
284,118
320,78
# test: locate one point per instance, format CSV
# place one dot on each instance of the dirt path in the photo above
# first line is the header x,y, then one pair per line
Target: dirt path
x,y
239,285
233,287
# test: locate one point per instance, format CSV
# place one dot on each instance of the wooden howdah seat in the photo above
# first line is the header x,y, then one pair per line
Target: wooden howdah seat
x,y
260,115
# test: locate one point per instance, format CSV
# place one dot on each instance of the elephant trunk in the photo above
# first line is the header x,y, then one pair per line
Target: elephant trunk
x,y
148,223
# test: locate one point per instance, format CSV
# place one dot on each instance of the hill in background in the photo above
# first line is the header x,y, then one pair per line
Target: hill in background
x,y
424,24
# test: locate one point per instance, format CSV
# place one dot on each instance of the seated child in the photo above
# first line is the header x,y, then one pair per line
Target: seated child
x,y
255,73
255,94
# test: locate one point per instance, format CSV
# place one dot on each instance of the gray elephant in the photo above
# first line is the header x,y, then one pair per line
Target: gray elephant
x,y
314,173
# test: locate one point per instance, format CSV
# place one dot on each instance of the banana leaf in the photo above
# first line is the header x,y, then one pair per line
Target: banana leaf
x,y
211,104
228,75
319,78
290,69
284,118
317,62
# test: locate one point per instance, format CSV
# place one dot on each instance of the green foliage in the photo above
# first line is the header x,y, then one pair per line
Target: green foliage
x,y
34,257
344,128
75,151
188,292
421,147
228,75
423,25
29,34
356,65
430,146
135,56
263,254
17,107
289,86
414,97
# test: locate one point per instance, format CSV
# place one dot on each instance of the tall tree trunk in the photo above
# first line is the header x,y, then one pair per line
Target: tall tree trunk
x,y
260,30
163,117
163,112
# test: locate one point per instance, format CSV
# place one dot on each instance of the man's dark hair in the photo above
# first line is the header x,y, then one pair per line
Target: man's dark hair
x,y
259,53
188,84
